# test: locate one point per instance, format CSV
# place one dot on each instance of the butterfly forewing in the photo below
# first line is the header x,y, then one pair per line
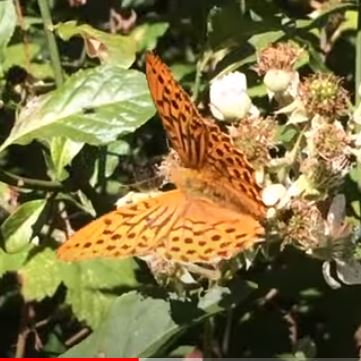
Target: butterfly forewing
x,y
181,119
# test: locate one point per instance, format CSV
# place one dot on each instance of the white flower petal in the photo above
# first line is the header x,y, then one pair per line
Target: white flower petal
x,y
273,193
349,272
228,97
336,213
326,271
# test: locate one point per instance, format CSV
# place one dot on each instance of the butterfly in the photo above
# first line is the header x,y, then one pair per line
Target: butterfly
x,y
216,210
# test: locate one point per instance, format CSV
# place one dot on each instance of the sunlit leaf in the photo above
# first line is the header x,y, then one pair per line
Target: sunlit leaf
x,y
109,48
92,286
62,151
17,229
147,35
146,324
41,276
7,25
94,106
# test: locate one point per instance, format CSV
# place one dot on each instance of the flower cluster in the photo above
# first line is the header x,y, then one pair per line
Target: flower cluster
x,y
305,150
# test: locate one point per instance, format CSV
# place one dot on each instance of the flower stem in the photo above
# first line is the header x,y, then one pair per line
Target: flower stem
x,y
53,48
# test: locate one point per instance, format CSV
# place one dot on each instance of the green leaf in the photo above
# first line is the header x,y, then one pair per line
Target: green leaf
x,y
138,326
41,276
62,151
7,25
10,262
17,229
227,26
115,150
147,35
109,48
91,286
94,106
17,54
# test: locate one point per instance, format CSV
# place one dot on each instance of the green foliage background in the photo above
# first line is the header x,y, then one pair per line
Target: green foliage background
x,y
78,126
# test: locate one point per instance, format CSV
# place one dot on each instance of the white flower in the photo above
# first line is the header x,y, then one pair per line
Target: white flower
x,y
273,193
229,98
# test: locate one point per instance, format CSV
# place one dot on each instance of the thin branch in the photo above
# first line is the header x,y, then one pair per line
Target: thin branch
x,y
53,48
77,337
29,183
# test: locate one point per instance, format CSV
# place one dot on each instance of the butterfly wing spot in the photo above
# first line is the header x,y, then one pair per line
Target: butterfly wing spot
x,y
216,237
107,232
107,221
184,258
240,236
100,241
160,79
175,249
225,244
223,254
116,237
188,240
230,230
209,250
202,243
110,248
191,252
87,244
175,104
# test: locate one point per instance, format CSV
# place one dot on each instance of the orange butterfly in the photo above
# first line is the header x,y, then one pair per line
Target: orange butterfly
x,y
216,210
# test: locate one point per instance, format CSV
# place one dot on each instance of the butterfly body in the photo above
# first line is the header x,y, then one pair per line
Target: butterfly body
x,y
216,210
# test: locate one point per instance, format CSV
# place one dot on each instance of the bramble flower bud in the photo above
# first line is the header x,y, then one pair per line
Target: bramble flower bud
x,y
255,136
281,56
228,97
324,95
277,81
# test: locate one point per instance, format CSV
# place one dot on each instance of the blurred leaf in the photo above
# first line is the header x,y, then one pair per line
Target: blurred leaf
x,y
17,229
93,285
227,26
94,106
261,40
136,3
147,35
10,262
17,54
286,133
109,48
147,324
115,150
62,151
7,25
41,276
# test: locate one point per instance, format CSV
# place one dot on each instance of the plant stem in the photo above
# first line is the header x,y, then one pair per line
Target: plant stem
x,y
22,182
199,69
53,48
358,54
21,22
102,169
